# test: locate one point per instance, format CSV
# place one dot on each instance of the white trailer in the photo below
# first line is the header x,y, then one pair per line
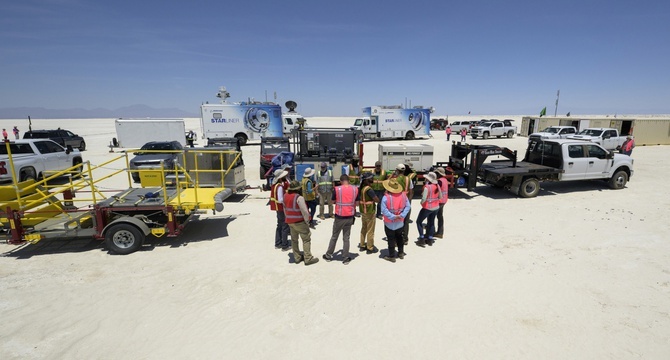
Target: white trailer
x,y
133,133
394,122
244,120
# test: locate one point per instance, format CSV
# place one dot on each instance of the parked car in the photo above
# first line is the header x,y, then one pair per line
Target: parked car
x,y
607,137
456,126
60,136
494,128
152,160
35,159
438,124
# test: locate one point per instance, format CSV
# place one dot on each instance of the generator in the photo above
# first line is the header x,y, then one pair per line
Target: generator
x,y
420,155
334,146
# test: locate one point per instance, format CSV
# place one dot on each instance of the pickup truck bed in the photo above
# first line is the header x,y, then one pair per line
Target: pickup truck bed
x,y
522,167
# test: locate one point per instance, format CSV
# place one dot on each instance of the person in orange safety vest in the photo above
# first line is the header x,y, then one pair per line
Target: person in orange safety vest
x,y
297,218
279,184
346,199
430,203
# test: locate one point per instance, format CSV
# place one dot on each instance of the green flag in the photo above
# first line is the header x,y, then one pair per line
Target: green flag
x,y
568,114
543,112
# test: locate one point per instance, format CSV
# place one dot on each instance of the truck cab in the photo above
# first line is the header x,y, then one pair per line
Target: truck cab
x,y
292,121
553,132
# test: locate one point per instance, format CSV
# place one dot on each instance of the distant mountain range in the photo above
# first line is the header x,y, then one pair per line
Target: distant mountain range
x,y
133,111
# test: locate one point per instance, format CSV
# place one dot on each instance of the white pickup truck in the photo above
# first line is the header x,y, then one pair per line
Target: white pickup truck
x,y
493,128
608,138
553,132
33,157
545,160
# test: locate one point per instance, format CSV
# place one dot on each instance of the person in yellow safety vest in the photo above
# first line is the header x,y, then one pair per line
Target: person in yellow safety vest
x,y
430,203
346,199
309,193
325,190
368,211
395,207
279,184
354,171
444,188
378,177
297,218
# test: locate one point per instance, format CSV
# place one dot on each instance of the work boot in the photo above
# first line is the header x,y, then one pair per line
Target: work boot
x,y
401,255
439,236
430,241
331,215
312,261
380,217
374,250
361,248
322,217
298,261
327,257
346,261
421,242
389,258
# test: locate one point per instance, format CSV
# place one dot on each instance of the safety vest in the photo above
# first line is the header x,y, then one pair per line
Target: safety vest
x,y
432,199
367,205
326,182
345,200
629,145
354,178
378,180
448,131
444,189
292,210
395,203
275,205
404,181
311,196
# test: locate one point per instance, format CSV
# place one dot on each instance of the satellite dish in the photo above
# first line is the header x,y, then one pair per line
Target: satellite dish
x,y
291,105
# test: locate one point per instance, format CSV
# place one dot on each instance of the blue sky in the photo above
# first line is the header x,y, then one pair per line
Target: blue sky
x,y
335,57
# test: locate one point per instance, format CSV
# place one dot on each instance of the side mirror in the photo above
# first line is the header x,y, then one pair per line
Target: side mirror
x,y
610,155
68,149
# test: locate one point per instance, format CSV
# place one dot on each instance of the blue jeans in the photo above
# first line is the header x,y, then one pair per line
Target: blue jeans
x,y
281,233
430,225
311,205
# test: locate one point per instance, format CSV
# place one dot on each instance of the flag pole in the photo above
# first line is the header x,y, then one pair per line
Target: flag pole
x,y
558,94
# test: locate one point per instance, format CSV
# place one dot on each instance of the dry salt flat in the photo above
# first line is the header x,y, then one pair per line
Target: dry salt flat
x,y
579,272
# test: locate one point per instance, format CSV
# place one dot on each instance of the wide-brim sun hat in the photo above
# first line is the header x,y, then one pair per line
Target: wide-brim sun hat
x,y
431,177
400,167
279,174
391,185
294,185
441,171
308,172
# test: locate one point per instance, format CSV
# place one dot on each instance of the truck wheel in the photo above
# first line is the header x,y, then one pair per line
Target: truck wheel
x,y
529,188
82,146
618,180
27,174
123,238
510,134
242,139
485,135
409,135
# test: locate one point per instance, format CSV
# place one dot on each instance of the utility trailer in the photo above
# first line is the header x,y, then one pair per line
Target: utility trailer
x,y
133,133
33,211
550,160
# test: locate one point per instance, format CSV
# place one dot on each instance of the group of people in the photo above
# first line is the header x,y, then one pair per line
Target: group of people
x,y
463,133
5,135
369,195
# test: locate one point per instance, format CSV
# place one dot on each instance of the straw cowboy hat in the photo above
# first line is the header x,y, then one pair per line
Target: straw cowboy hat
x,y
279,174
308,172
294,185
441,171
431,177
391,185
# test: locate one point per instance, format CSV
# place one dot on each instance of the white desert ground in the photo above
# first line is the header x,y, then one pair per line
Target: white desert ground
x,y
580,272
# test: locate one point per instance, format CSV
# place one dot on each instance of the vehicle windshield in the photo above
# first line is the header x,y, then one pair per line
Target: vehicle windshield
x,y
550,130
16,149
358,122
159,147
590,132
485,124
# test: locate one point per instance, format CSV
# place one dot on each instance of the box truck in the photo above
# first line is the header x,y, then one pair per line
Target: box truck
x,y
247,121
393,122
133,133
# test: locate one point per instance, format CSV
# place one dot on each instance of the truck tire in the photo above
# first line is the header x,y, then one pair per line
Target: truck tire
x,y
123,238
409,135
618,180
510,134
82,145
529,188
27,174
242,139
485,135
